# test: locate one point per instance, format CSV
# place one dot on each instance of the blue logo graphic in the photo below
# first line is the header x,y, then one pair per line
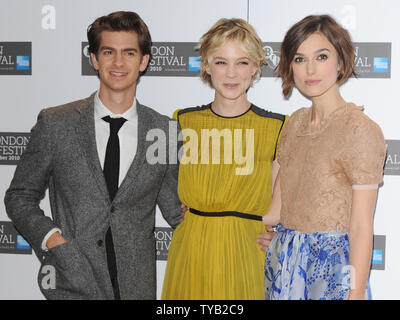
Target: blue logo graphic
x,y
194,63
22,62
377,257
381,64
22,244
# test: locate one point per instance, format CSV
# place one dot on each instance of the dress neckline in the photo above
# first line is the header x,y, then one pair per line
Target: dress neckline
x,y
225,117
305,121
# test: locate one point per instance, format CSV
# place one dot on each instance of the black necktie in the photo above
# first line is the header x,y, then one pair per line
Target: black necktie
x,y
111,174
111,162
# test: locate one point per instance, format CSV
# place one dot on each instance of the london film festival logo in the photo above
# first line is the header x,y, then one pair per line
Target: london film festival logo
x,y
379,252
169,59
272,54
11,241
372,59
12,145
163,238
174,59
87,67
15,58
392,165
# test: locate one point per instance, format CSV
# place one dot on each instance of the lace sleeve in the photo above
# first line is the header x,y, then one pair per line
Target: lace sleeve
x,y
364,153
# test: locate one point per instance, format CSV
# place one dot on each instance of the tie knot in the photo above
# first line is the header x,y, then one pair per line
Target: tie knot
x,y
115,123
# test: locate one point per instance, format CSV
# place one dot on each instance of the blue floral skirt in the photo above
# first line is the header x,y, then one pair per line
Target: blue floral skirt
x,y
308,266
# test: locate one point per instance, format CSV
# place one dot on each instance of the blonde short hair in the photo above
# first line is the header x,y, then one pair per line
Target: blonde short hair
x,y
231,29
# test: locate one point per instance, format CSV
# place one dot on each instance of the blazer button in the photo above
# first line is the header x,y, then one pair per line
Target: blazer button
x,y
100,243
112,209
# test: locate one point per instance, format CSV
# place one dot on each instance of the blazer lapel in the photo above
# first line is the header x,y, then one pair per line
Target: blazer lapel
x,y
85,130
140,156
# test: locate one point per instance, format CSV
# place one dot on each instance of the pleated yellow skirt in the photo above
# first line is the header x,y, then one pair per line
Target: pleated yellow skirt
x,y
215,258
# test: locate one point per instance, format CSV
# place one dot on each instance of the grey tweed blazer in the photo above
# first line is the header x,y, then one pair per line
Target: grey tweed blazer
x,y
62,155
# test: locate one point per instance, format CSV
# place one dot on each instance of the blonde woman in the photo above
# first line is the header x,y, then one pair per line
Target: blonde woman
x,y
225,175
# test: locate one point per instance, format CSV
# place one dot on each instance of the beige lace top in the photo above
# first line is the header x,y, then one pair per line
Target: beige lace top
x,y
319,168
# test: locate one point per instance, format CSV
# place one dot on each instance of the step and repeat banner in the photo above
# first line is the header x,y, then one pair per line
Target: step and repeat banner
x,y
44,62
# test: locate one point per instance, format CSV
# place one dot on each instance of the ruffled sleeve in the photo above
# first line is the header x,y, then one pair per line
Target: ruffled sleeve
x,y
364,152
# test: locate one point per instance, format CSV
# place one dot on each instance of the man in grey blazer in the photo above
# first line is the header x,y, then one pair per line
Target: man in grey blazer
x,y
97,245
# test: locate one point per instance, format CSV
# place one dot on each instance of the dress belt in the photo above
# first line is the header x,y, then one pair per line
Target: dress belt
x,y
226,214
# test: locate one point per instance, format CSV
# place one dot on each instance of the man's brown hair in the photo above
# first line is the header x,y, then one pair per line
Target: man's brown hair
x,y
119,21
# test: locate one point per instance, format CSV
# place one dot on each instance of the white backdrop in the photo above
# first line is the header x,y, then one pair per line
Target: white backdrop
x,y
56,29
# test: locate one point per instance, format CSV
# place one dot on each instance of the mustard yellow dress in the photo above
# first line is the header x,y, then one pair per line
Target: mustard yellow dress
x,y
225,172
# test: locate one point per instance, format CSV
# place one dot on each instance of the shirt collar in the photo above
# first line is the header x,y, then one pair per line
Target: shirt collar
x,y
100,110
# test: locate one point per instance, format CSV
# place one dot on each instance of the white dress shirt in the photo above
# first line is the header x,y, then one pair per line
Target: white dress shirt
x,y
127,135
127,141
